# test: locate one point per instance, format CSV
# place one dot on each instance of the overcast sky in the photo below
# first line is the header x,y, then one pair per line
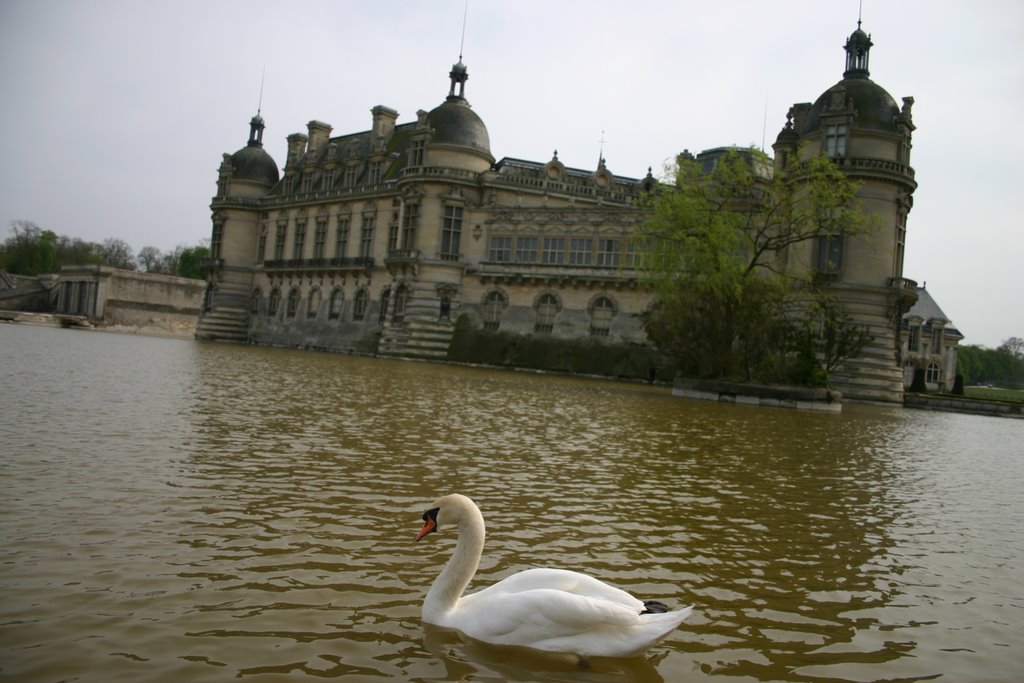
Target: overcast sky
x,y
116,113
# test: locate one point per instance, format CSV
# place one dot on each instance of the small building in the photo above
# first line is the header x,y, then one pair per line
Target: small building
x,y
929,345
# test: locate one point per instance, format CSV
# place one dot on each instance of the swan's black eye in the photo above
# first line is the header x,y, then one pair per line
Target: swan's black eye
x,y
431,514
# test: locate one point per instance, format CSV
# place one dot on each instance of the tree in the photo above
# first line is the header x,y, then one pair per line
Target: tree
x,y
723,256
190,259
150,260
30,250
118,254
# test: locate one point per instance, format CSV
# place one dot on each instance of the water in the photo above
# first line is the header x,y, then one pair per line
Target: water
x,y
181,511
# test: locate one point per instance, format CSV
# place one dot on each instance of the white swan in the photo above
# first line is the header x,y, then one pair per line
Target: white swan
x,y
554,610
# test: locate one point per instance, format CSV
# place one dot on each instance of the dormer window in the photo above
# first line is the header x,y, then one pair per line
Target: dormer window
x,y
835,140
416,152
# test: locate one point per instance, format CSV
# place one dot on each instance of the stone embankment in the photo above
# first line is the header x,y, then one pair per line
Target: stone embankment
x,y
799,398
958,404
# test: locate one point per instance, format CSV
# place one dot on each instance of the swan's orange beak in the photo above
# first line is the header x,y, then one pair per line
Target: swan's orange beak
x,y
428,525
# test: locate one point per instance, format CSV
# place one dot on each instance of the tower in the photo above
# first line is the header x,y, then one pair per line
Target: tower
x,y
243,178
859,125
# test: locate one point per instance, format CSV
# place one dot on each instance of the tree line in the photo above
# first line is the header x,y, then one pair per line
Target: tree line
x,y
31,250
1002,366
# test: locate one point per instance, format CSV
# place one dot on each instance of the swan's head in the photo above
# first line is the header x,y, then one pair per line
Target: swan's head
x,y
449,510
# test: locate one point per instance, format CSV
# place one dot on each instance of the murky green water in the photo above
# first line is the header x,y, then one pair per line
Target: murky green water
x,y
177,511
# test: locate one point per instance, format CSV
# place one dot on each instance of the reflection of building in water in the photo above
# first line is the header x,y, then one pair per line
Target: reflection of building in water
x,y
929,344
377,241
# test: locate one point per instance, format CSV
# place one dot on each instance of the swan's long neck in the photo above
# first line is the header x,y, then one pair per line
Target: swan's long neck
x,y
456,575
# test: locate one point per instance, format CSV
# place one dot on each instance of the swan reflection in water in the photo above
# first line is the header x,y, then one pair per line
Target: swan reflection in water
x,y
464,657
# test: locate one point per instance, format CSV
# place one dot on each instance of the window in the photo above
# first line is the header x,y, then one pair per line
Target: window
x,y
835,140
494,306
937,340
351,174
501,249
313,303
376,171
581,251
554,250
366,239
385,298
300,240
307,182
261,247
274,302
526,250
830,254
328,179
932,374
410,221
401,296
608,253
392,237
254,305
601,314
279,238
451,232
337,303
914,339
320,238
362,302
416,152
293,302
341,237
216,239
547,308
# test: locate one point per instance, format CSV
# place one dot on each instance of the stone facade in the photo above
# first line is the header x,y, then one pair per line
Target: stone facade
x,y
377,241
140,302
930,343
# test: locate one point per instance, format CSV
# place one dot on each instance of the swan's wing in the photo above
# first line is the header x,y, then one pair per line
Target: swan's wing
x,y
564,580
530,617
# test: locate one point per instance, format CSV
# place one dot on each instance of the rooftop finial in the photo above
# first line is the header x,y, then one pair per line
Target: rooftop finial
x,y
600,153
263,77
462,42
860,12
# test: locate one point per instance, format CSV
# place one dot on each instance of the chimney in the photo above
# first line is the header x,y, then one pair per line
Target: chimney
x,y
296,148
319,134
383,122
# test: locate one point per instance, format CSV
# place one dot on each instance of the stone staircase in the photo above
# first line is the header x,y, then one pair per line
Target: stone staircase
x,y
228,316
418,337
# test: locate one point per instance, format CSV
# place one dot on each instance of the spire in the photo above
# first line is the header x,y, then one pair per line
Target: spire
x,y
857,47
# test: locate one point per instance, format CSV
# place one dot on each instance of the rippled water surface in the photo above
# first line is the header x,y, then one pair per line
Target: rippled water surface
x,y
179,511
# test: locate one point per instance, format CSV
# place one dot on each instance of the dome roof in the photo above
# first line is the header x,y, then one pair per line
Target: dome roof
x,y
876,109
253,163
454,123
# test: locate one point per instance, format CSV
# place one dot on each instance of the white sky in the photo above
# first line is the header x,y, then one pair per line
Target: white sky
x,y
115,113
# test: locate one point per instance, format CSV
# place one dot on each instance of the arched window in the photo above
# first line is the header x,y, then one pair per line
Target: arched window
x,y
274,302
547,308
313,304
360,305
931,375
494,305
293,302
401,296
601,313
337,303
